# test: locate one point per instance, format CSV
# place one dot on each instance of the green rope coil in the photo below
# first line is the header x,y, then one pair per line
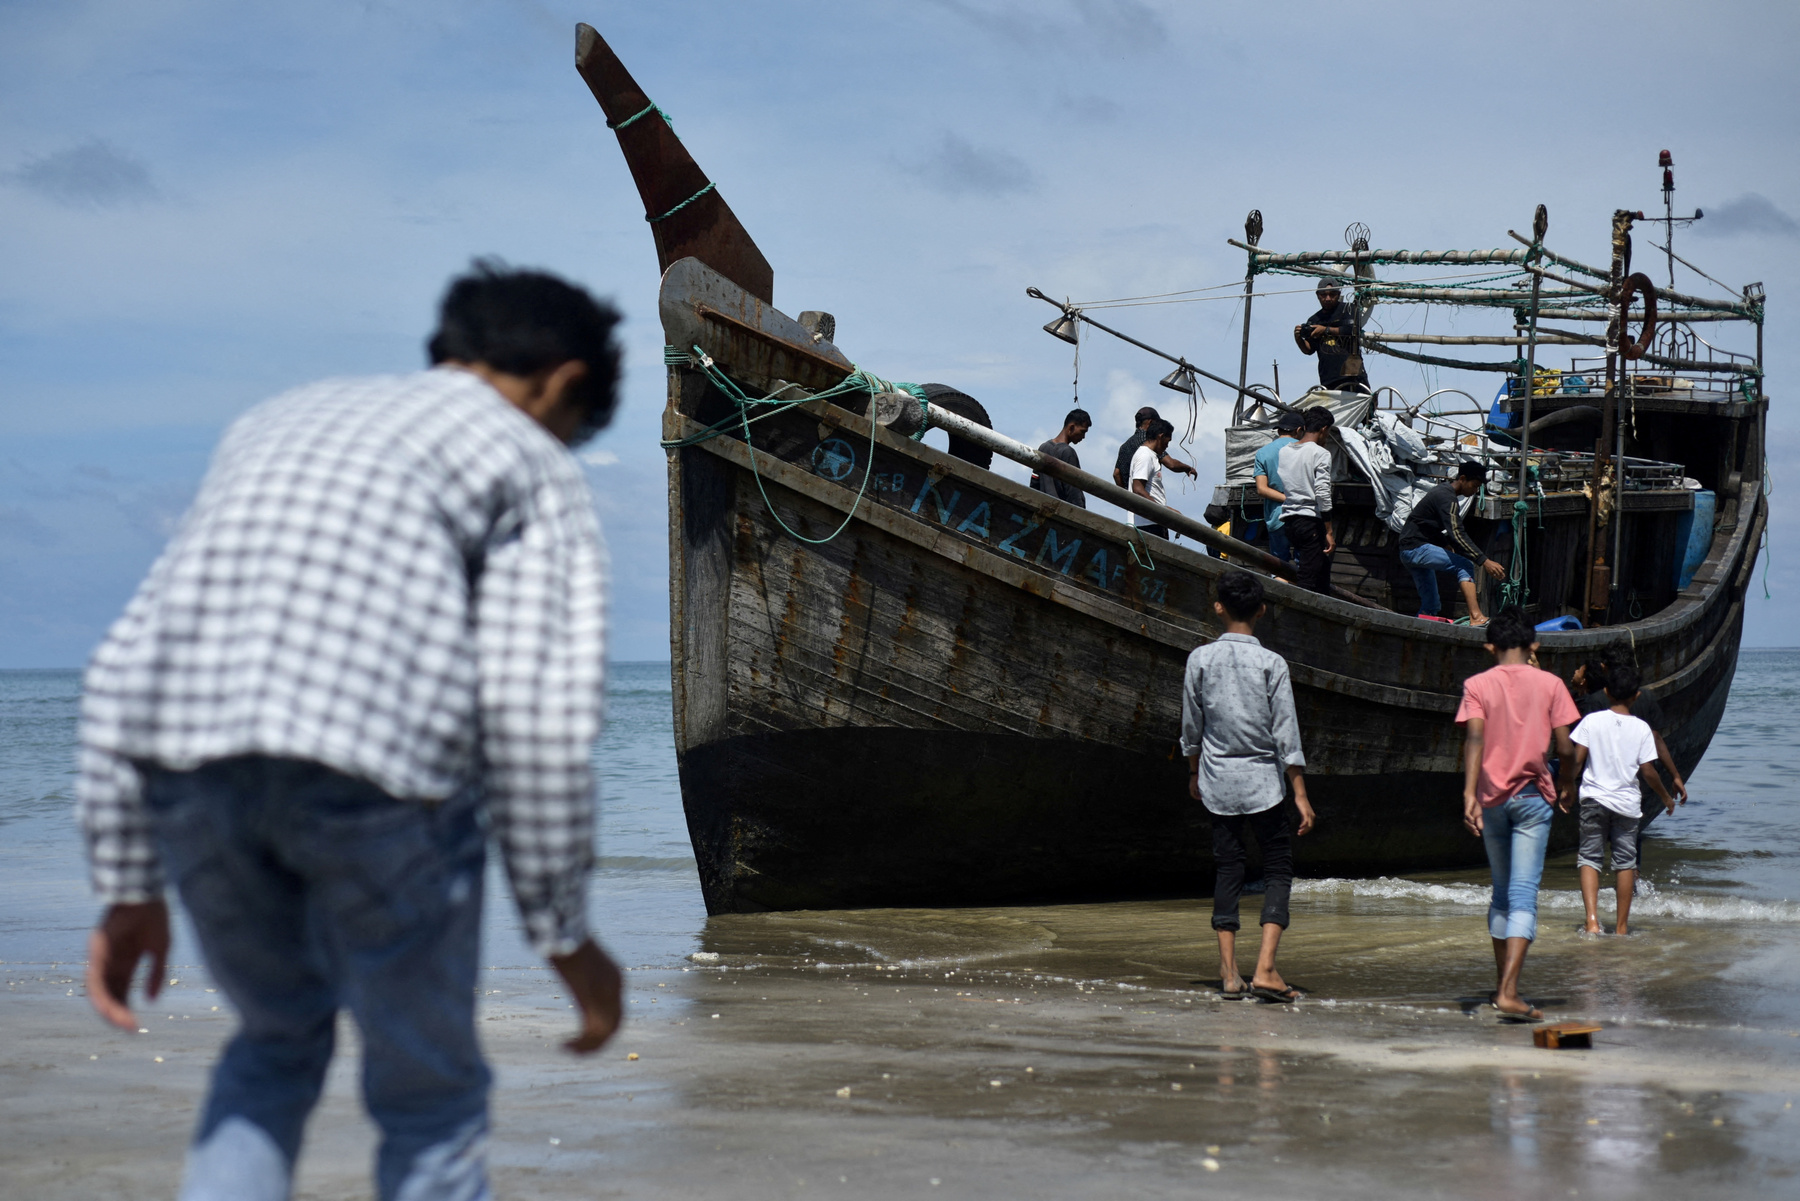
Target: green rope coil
x,y
857,381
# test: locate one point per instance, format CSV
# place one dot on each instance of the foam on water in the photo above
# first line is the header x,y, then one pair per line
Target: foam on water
x,y
1647,903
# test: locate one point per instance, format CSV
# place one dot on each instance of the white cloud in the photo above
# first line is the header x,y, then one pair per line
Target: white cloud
x,y
599,458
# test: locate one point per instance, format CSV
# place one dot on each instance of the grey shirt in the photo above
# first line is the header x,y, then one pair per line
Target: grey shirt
x,y
1305,480
1237,714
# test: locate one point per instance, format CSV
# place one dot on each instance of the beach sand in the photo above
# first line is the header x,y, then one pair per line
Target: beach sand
x,y
1064,1051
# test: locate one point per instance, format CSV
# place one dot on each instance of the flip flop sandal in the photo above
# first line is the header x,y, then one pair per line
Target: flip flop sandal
x,y
1241,993
1283,996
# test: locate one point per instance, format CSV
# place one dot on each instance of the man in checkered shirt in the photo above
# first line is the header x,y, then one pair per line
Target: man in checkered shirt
x,y
377,636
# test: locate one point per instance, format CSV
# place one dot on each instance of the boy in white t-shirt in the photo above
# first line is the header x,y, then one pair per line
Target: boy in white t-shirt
x,y
1613,751
1146,473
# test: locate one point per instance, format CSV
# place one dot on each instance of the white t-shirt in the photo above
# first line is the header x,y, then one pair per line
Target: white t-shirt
x,y
1618,744
1146,465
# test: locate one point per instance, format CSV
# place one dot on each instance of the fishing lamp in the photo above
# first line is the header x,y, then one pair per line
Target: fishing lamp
x,y
1064,327
1180,380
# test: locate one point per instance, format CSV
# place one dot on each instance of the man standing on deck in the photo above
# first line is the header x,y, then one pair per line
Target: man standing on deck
x,y
1288,427
1305,469
1146,473
377,635
1330,333
1433,540
1075,428
1122,465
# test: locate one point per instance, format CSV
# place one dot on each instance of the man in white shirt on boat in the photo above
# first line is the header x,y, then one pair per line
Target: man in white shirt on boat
x,y
1147,472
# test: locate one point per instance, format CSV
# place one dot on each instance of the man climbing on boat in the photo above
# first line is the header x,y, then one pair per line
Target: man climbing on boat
x,y
1330,333
1434,540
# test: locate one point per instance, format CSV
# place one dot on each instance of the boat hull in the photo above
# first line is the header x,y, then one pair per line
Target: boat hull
x,y
906,714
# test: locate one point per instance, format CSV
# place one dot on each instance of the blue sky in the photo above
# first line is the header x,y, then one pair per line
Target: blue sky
x,y
204,203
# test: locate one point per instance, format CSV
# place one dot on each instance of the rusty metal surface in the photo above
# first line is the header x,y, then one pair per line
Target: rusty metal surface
x,y
667,175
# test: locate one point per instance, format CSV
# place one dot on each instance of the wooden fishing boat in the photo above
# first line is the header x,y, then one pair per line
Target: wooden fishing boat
x,y
903,679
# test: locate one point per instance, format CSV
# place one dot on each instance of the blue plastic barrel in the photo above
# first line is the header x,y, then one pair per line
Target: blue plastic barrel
x,y
1694,534
1558,625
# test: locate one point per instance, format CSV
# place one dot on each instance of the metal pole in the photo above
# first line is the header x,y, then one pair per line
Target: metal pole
x,y
1018,452
1253,227
1540,225
1243,392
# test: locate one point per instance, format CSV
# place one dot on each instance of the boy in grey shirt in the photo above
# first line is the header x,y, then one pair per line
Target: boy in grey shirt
x,y
1240,736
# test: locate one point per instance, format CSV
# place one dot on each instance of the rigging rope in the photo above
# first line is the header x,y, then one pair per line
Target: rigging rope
x,y
857,381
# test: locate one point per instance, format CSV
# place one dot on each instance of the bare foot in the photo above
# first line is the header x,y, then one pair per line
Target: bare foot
x,y
1592,927
1272,980
1478,619
1620,929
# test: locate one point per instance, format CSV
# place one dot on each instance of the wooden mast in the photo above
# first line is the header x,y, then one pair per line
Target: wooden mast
x,y
688,218
1599,581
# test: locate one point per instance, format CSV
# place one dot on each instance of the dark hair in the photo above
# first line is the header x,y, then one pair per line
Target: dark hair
x,y
1509,630
1145,414
1158,428
524,322
1622,682
1078,417
1594,674
1468,469
1287,419
1319,419
1241,593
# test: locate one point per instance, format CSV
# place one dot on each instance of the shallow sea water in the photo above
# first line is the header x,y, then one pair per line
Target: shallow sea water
x,y
1390,1078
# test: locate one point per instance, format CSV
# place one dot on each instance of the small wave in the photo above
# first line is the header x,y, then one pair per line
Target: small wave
x,y
645,863
1648,903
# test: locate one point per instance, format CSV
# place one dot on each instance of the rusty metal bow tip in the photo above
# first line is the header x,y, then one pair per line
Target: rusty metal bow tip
x,y
688,218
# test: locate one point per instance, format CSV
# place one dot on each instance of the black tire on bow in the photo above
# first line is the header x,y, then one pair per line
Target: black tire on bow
x,y
943,396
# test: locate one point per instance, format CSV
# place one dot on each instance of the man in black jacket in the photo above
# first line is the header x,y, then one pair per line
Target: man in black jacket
x,y
1433,540
1330,333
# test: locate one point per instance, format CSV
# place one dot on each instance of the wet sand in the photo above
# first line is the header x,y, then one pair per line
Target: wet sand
x,y
1049,1052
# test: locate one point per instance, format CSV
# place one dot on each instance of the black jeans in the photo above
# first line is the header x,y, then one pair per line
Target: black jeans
x,y
1307,536
1271,830
1159,530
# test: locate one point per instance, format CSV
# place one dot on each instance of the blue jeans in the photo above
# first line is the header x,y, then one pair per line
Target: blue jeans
x,y
312,891
1425,562
1278,545
1516,834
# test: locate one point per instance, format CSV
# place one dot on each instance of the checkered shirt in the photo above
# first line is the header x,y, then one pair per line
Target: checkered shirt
x,y
398,577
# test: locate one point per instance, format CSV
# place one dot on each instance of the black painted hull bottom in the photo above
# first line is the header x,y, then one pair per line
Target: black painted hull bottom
x,y
859,817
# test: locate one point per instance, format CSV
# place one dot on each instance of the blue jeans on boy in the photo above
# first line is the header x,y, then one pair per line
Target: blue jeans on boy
x,y
1425,562
1278,545
312,891
1516,834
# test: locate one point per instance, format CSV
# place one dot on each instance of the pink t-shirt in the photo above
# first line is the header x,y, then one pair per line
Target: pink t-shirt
x,y
1519,706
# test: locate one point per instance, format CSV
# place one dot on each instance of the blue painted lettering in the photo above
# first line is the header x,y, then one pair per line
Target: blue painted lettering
x,y
1096,568
937,498
1006,543
976,522
1053,552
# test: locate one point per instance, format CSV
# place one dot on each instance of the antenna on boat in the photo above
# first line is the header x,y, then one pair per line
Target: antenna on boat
x,y
1669,220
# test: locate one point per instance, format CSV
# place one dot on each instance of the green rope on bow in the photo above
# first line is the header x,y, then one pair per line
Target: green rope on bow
x,y
857,381
697,195
643,112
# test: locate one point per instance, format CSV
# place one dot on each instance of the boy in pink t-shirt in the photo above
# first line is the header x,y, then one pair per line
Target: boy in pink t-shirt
x,y
1511,713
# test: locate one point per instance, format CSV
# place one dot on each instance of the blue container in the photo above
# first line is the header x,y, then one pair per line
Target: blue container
x,y
1694,533
1559,625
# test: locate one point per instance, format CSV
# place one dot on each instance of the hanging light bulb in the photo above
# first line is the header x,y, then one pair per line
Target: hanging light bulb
x,y
1064,327
1180,380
